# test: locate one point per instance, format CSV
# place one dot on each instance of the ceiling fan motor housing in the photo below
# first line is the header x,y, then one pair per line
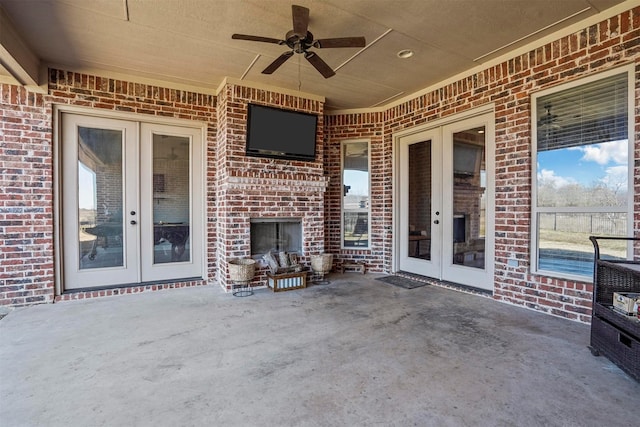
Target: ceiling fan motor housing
x,y
297,44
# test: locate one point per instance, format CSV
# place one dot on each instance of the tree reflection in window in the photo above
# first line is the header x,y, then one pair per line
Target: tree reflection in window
x,y
582,173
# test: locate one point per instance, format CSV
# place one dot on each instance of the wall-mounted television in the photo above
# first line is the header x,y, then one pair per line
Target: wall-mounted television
x,y
282,134
467,159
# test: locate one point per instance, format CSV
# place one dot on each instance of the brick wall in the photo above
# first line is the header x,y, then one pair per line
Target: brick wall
x,y
252,187
26,182
236,184
26,198
508,85
366,126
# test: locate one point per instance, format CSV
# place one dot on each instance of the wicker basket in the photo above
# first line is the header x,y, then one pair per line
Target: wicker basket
x,y
242,269
322,263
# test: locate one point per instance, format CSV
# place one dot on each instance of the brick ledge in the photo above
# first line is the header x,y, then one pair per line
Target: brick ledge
x,y
126,290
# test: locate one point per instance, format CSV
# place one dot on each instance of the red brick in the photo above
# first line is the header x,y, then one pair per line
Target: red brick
x,y
27,125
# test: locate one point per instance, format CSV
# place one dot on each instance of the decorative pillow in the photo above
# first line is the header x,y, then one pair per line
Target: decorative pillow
x,y
284,259
271,261
293,259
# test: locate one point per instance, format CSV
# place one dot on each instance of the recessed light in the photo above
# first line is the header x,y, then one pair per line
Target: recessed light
x,y
481,131
405,53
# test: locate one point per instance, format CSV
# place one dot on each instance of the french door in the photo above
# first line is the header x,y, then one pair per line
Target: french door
x,y
131,202
446,202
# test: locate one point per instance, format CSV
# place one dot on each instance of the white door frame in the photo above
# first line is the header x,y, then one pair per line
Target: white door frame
x,y
415,134
432,266
199,213
476,277
189,267
128,272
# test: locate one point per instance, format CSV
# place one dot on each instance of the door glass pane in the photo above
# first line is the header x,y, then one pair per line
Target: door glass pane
x,y
420,200
355,203
469,198
171,199
100,197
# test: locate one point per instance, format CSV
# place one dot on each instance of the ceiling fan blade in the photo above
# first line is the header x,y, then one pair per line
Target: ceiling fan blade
x,y
319,64
300,20
277,63
340,42
256,39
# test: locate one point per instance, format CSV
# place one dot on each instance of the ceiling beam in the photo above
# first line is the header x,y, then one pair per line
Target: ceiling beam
x,y
15,55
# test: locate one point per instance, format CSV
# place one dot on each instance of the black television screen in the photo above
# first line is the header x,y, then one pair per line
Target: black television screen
x,y
466,159
283,134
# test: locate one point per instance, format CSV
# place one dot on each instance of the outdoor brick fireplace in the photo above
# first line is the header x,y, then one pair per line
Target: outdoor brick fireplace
x,y
253,190
275,235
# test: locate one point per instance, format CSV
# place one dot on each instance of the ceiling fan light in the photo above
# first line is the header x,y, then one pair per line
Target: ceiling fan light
x,y
405,53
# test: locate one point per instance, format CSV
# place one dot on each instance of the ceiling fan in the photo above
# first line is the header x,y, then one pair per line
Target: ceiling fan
x,y
300,40
548,120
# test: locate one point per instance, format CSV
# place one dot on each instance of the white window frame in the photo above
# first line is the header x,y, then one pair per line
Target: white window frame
x,y
342,183
535,210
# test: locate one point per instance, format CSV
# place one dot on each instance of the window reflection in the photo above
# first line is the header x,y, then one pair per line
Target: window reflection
x,y
355,187
420,182
469,198
171,196
100,198
582,173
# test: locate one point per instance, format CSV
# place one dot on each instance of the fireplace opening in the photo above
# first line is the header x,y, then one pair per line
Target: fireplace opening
x,y
275,235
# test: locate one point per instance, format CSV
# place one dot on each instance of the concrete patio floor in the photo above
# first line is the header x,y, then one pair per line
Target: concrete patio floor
x,y
356,352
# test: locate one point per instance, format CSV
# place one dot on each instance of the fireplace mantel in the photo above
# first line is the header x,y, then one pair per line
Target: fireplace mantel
x,y
277,184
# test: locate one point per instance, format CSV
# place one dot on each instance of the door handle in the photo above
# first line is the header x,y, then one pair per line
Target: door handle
x,y
132,222
435,222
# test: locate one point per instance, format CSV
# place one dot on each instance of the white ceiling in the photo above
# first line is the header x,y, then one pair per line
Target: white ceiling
x,y
187,43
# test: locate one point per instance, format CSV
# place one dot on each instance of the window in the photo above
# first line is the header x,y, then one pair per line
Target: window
x,y
355,192
582,175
